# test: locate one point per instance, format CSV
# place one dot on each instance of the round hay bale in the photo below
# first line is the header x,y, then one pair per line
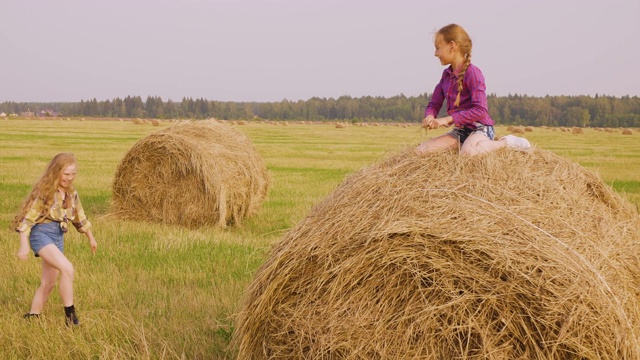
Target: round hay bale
x,y
627,132
577,130
500,256
193,173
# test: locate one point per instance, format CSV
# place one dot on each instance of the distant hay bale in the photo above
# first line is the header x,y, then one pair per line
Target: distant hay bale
x,y
577,130
517,130
192,173
528,129
627,132
155,122
500,256
340,126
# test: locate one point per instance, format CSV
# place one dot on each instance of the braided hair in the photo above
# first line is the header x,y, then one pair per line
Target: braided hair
x,y
457,34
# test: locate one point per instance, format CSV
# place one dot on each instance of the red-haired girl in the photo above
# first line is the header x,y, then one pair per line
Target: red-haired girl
x,y
42,221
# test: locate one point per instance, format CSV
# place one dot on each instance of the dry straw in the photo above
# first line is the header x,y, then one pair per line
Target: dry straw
x,y
500,256
193,173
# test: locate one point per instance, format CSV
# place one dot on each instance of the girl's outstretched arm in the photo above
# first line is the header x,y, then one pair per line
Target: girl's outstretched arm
x,y
92,241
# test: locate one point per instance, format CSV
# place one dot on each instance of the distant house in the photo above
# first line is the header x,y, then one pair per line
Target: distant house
x,y
48,112
27,114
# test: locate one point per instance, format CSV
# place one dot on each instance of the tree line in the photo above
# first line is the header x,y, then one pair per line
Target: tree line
x,y
568,111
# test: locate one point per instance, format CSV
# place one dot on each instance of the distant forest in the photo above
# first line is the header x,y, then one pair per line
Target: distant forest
x,y
569,111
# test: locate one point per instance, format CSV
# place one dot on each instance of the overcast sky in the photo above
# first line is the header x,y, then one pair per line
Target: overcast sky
x,y
270,50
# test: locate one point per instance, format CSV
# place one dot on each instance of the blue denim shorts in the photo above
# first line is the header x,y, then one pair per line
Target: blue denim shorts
x,y
463,133
45,234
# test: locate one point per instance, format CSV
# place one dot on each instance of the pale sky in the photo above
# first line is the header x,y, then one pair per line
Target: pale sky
x,y
270,50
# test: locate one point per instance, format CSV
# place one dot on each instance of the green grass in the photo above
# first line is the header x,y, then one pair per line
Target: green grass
x,y
155,291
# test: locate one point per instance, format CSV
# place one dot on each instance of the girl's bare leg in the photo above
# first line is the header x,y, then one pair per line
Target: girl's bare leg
x,y
478,143
442,142
47,283
54,262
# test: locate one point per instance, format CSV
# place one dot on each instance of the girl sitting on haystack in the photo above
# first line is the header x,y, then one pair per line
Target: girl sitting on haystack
x,y
462,86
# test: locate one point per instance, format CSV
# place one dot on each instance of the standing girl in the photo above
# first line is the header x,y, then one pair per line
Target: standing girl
x,y
42,221
462,86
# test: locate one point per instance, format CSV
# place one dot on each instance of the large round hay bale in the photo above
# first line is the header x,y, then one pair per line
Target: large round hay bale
x,y
500,256
193,173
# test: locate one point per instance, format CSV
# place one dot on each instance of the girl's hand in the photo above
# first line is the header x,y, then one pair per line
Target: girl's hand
x,y
444,121
432,123
92,241
23,251
94,245
427,121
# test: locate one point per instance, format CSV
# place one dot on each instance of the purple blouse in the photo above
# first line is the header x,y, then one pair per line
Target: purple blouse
x,y
473,98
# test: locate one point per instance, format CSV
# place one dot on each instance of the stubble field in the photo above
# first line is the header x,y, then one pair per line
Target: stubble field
x,y
155,291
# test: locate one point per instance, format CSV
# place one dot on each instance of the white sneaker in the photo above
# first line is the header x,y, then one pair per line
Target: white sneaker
x,y
517,143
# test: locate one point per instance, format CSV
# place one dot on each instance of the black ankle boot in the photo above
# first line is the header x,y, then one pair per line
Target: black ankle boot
x,y
71,317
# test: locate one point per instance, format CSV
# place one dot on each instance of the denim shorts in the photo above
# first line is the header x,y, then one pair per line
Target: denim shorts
x,y
45,234
463,133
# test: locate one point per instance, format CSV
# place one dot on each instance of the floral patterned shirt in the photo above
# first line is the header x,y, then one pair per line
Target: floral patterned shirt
x,y
61,211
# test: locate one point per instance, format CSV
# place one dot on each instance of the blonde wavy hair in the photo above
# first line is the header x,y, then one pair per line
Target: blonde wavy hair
x,y
455,33
46,187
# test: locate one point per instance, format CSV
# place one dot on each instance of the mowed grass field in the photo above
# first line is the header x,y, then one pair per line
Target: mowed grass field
x,y
164,292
